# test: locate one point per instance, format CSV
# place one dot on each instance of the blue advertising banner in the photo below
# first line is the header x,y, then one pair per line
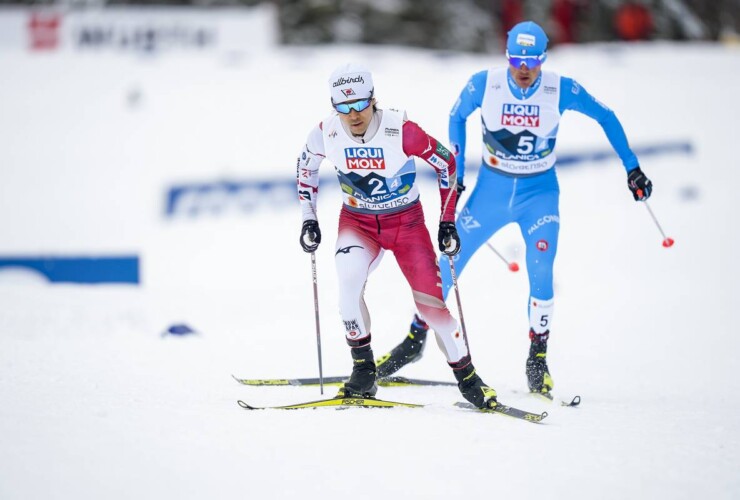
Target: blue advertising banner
x,y
89,270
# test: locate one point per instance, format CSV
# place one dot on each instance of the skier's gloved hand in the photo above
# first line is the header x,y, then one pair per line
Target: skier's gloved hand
x,y
460,189
449,241
310,235
639,184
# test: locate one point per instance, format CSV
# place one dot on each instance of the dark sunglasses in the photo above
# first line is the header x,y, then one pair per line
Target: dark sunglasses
x,y
359,106
530,62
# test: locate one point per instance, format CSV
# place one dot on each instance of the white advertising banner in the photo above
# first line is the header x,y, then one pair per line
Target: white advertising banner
x,y
147,30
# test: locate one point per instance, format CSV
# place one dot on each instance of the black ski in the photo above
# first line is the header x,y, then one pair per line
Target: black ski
x,y
575,401
338,381
548,396
507,410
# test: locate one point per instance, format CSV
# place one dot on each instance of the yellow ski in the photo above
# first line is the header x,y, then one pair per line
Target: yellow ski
x,y
339,381
335,402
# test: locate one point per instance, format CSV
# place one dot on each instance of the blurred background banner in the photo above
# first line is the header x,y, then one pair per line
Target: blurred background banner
x,y
149,29
226,197
462,25
77,269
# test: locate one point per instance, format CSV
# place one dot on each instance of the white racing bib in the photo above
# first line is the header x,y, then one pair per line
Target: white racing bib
x,y
376,176
519,135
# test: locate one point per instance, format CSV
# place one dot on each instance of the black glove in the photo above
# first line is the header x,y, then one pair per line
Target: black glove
x,y
449,241
460,189
310,235
639,184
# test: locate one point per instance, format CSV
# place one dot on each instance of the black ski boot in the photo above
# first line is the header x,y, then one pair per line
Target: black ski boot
x,y
361,383
408,351
538,375
471,385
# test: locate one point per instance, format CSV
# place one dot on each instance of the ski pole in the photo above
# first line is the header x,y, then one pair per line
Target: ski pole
x,y
316,310
667,242
457,295
513,266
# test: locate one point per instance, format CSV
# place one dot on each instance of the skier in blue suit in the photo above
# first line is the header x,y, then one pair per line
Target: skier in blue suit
x,y
520,108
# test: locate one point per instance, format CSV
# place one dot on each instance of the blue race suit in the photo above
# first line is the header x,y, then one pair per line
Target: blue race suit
x,y
527,192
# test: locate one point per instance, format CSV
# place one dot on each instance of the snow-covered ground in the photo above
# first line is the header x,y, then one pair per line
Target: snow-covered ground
x,y
96,403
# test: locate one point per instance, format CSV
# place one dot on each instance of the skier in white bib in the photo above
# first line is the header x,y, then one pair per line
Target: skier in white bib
x,y
520,108
371,150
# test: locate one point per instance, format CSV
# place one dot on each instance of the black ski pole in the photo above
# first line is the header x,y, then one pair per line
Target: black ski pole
x,y
457,295
316,311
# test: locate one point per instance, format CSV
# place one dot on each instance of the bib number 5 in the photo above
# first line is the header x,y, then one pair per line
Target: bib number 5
x,y
526,145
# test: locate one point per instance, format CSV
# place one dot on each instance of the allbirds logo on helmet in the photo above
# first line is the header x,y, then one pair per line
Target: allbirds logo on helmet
x,y
343,80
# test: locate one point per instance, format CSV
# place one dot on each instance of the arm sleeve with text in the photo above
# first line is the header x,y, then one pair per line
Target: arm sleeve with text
x,y
469,100
307,173
576,98
418,143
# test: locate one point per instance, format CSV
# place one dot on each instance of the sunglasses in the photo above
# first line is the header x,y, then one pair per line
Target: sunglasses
x,y
359,106
530,62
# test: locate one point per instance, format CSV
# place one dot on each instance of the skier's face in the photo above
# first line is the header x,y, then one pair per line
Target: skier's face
x,y
358,121
523,75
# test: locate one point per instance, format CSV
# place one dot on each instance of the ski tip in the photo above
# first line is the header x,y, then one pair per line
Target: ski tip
x,y
535,418
245,405
573,402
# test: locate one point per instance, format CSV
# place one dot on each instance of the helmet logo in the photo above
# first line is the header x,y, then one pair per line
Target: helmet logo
x,y
525,40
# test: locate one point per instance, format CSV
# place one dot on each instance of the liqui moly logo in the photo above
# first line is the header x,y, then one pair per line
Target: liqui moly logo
x,y
365,158
521,115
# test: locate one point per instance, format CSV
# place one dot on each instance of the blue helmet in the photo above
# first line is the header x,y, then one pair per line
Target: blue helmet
x,y
527,39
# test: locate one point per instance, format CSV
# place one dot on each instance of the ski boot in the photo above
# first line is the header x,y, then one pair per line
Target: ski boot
x,y
408,351
362,382
538,375
471,385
